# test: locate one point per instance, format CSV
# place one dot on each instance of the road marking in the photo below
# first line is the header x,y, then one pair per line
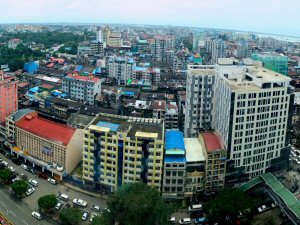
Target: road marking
x,y
12,213
20,207
25,222
2,204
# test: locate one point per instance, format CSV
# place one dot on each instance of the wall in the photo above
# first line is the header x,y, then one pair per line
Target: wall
x,y
74,151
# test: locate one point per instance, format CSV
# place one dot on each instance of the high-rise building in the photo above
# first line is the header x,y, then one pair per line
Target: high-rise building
x,y
120,68
249,108
8,96
199,99
162,48
81,88
119,150
218,50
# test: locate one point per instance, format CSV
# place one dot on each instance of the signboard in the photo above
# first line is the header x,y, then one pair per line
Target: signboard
x,y
47,150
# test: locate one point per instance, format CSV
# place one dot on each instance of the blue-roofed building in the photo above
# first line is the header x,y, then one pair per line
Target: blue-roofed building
x,y
174,165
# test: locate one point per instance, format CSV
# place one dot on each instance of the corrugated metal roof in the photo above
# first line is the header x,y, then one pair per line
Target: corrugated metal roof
x,y
174,140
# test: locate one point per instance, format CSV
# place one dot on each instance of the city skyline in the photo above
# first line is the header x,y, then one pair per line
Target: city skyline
x,y
233,14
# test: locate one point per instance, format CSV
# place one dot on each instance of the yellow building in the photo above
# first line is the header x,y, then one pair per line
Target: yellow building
x,y
119,150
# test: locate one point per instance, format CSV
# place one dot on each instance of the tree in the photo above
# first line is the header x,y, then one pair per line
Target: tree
x,y
137,202
47,202
70,216
104,219
228,202
5,175
19,187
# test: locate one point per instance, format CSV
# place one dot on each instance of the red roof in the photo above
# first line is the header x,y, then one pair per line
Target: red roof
x,y
47,86
76,76
46,129
212,141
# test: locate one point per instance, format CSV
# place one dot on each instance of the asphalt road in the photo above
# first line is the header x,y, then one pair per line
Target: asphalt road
x,y
12,207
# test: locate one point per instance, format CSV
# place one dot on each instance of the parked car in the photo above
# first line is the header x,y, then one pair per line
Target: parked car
x,y
30,191
172,220
95,208
11,169
93,216
262,208
5,163
202,220
85,215
58,205
67,206
185,221
15,179
23,176
23,166
63,197
33,182
16,161
31,170
37,215
43,175
52,181
80,202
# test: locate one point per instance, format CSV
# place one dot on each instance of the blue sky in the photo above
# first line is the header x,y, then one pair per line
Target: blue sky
x,y
268,16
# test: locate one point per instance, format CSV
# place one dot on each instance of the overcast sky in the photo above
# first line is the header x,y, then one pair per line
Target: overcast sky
x,y
268,16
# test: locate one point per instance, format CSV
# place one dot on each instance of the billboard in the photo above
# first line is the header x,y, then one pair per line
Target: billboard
x,y
47,150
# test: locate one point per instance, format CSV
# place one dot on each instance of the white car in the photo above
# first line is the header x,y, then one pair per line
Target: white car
x,y
33,182
23,166
93,216
15,179
58,205
185,221
95,208
261,209
30,191
5,163
11,169
80,202
60,168
63,197
85,216
52,181
36,215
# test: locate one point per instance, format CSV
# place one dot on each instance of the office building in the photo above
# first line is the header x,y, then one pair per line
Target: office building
x,y
121,69
43,143
120,149
199,99
251,114
8,96
83,88
174,166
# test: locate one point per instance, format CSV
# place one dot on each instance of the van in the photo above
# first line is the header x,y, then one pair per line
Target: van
x,y
195,208
63,197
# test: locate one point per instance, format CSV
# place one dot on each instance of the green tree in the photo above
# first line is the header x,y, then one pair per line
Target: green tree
x,y
19,187
5,175
104,219
138,202
47,202
70,216
228,202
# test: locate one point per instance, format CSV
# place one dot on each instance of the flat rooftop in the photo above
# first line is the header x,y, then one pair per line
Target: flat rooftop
x,y
201,70
193,150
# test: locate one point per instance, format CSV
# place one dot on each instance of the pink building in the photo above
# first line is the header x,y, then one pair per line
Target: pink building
x,y
8,96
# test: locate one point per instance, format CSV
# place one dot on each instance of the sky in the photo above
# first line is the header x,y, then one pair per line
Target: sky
x,y
266,16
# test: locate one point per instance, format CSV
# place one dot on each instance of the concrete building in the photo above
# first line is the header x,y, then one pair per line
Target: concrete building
x,y
162,47
44,143
215,166
195,168
81,88
146,73
120,149
199,99
171,116
114,40
120,69
97,48
174,166
8,96
251,114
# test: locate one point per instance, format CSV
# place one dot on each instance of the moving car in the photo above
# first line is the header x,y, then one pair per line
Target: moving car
x,y
95,208
52,181
33,182
37,215
185,221
80,202
63,197
30,191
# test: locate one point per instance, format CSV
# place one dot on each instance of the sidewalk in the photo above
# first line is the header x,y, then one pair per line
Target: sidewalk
x,y
75,188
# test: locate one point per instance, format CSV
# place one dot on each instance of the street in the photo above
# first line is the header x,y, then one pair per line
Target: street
x,y
15,209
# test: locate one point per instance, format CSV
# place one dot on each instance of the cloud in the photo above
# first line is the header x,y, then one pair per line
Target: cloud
x,y
274,16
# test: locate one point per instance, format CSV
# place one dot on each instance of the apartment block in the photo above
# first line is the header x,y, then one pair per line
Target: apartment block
x,y
146,73
174,166
121,69
8,96
199,99
120,149
83,88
